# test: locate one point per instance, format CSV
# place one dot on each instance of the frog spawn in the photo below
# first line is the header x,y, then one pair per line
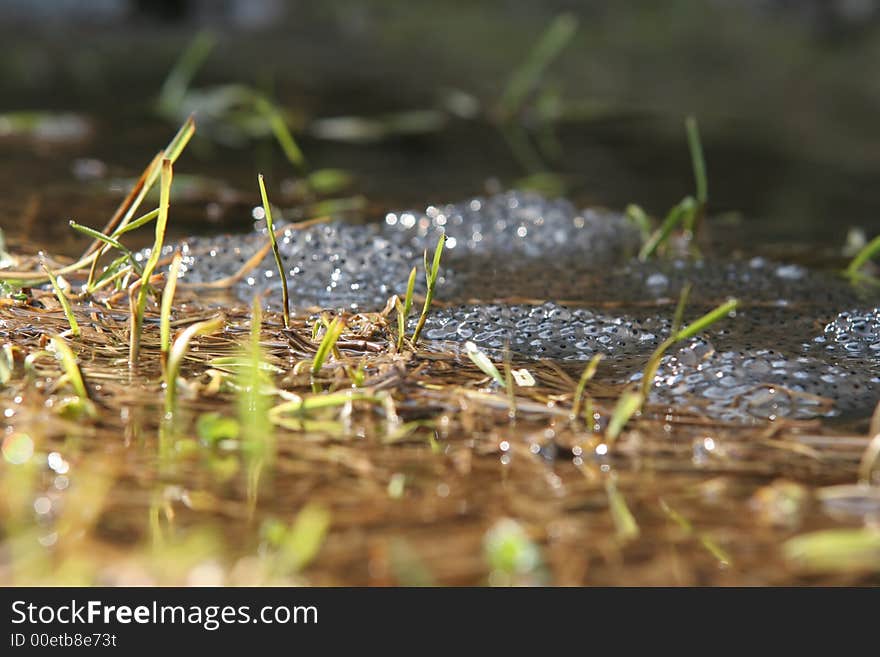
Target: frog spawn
x,y
333,265
358,267
520,224
853,333
548,330
761,384
540,248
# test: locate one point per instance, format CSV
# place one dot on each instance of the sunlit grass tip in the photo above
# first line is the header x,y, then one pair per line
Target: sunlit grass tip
x,y
482,361
854,269
74,376
62,299
178,352
140,303
167,303
270,228
328,342
432,273
403,309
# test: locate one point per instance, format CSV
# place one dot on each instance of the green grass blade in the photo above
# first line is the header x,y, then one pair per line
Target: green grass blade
x,y
154,171
524,80
320,402
303,541
70,365
331,335
587,375
137,223
839,550
97,235
114,271
640,218
410,291
625,525
63,300
689,331
431,275
253,379
482,361
137,319
678,317
404,309
401,323
677,215
110,241
697,160
723,558
629,403
706,320
167,301
175,87
177,144
176,355
270,226
871,249
279,128
82,405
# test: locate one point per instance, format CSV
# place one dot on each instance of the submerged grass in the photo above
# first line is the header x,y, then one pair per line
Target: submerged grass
x,y
587,375
843,550
721,556
625,525
253,381
300,544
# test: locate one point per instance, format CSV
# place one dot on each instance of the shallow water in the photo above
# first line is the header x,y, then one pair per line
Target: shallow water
x,y
751,430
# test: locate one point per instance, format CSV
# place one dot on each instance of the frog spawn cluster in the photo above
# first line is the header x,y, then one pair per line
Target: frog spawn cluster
x,y
853,333
761,384
357,267
548,330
